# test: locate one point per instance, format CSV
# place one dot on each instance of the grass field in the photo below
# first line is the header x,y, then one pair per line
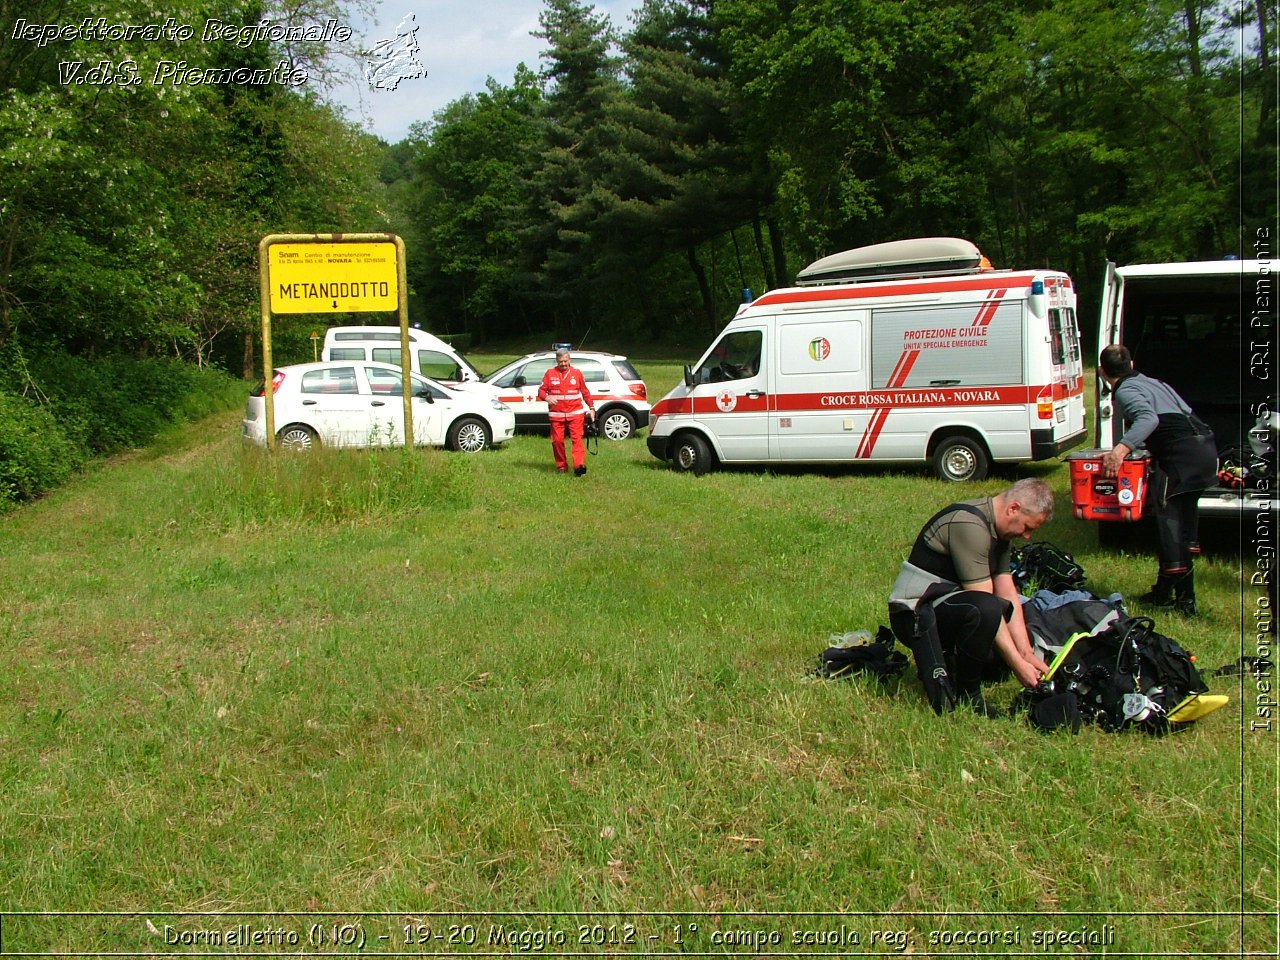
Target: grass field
x,y
470,705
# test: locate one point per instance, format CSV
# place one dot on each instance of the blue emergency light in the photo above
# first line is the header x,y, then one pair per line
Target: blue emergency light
x,y
562,346
1037,287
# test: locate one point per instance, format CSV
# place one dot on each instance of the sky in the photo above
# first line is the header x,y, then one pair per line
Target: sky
x,y
460,44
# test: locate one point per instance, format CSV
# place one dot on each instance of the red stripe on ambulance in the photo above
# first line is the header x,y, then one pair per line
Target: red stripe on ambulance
x,y
872,433
897,378
988,310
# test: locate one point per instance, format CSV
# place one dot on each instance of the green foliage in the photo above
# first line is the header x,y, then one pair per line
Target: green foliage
x,y
131,212
751,136
114,402
562,187
36,454
469,164
459,341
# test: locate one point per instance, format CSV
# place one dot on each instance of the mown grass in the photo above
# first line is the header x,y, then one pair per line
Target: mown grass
x,y
433,683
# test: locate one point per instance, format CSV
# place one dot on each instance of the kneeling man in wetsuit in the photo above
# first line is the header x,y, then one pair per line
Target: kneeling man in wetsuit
x,y
955,603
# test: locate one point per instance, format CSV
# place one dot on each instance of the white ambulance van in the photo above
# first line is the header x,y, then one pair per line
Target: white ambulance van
x,y
908,352
429,355
1208,329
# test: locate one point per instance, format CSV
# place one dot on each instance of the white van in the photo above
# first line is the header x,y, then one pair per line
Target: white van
x,y
1207,329
907,352
429,356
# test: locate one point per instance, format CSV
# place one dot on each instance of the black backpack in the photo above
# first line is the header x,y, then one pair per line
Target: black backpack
x,y
1042,566
1127,675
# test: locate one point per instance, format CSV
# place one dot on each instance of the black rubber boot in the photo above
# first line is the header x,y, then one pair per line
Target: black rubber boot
x,y
968,684
1184,594
976,702
1161,592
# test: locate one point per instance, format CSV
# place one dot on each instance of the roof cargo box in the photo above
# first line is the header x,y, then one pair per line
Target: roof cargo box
x,y
922,257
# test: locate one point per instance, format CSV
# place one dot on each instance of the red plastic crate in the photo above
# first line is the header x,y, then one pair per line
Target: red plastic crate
x,y
1095,497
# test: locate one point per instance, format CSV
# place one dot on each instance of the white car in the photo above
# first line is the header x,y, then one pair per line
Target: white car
x,y
341,404
617,391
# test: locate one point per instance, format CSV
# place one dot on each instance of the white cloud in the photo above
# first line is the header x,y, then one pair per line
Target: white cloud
x,y
461,44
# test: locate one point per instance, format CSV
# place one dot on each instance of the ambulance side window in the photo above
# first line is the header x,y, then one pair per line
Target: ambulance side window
x,y
735,357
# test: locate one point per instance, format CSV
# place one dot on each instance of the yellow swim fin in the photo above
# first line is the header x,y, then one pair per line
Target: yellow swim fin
x,y
1195,706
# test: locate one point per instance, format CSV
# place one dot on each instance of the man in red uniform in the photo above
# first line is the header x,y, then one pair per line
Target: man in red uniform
x,y
568,401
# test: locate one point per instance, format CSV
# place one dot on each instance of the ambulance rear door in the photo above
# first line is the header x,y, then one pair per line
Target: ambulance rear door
x,y
1059,409
1105,434
820,385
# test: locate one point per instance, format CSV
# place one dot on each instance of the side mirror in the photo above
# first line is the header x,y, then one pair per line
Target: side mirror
x,y
425,394
688,376
519,381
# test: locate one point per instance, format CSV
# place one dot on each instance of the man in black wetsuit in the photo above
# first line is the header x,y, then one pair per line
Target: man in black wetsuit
x,y
955,603
1186,458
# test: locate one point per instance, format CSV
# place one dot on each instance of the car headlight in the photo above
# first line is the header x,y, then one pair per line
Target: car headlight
x,y
499,405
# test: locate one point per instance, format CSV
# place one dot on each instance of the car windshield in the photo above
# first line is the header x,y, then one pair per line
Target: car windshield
x,y
470,366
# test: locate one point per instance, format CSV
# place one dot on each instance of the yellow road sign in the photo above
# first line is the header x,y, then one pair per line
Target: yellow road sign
x,y
333,277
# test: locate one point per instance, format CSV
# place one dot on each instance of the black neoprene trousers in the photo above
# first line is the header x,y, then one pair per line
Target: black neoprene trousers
x,y
1178,526
967,624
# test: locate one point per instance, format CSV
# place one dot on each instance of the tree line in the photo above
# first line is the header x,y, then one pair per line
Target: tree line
x,y
638,179
643,177
635,181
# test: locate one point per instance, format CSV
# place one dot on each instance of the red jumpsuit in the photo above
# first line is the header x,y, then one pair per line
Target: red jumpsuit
x,y
568,400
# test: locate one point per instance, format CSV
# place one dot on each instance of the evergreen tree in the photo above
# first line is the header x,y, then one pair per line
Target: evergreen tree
x,y
562,180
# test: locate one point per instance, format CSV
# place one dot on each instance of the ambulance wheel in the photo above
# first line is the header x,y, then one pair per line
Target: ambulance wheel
x,y
297,436
958,459
691,454
617,424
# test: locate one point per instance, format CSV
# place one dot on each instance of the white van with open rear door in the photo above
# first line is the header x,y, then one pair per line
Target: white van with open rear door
x,y
915,351
1208,329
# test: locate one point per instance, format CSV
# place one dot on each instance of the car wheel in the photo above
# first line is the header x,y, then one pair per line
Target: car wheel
x,y
691,454
468,435
958,459
297,436
617,424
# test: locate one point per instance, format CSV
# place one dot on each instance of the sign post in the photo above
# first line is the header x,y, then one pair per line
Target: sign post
x,y
332,273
